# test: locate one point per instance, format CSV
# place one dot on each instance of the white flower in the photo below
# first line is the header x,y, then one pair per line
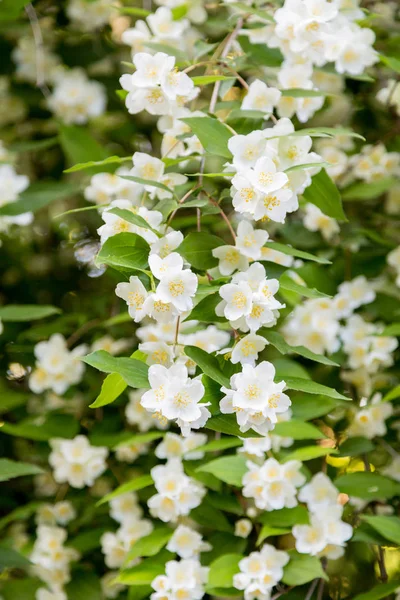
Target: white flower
x,y
230,259
107,343
11,184
134,293
115,546
177,493
64,512
174,396
243,528
44,594
177,285
184,579
315,220
150,69
139,416
261,97
175,446
163,25
90,17
265,177
272,485
76,461
247,149
107,187
115,224
187,542
76,99
369,422
260,572
166,244
249,241
125,507
246,351
57,368
158,353
238,298
319,492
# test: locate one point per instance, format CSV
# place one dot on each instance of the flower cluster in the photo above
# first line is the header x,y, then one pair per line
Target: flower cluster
x,y
255,398
156,85
51,559
76,461
176,494
327,533
183,579
273,485
75,98
266,185
260,572
57,367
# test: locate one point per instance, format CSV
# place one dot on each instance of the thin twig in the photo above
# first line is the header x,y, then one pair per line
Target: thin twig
x,y
178,321
82,330
321,587
39,46
181,201
223,215
311,590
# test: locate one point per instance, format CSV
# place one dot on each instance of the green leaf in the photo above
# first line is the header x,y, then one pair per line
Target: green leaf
x,y
307,406
11,559
225,502
311,387
301,93
324,194
368,486
135,12
379,591
222,444
54,425
10,9
222,571
268,531
37,196
285,517
205,310
302,569
206,79
111,388
288,284
298,430
140,438
210,517
151,544
208,364
21,589
229,469
392,395
355,446
278,341
260,54
111,160
328,132
34,144
309,453
133,371
21,513
126,250
87,540
393,329
391,61
227,424
145,572
84,586
139,483
197,249
388,526
18,313
149,182
79,145
133,218
10,469
213,135
370,190
298,253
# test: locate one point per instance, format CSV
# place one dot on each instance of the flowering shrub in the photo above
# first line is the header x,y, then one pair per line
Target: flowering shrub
x,y
199,218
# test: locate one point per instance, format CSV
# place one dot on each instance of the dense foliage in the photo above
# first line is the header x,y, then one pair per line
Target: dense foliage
x,y
200,252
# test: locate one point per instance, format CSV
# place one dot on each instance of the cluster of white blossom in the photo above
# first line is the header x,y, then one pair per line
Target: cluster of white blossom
x,y
57,367
315,323
255,398
187,543
369,420
25,57
327,533
126,510
249,302
75,98
104,188
273,485
177,494
60,513
11,186
260,572
183,579
255,448
89,16
374,163
159,27
51,560
265,185
185,448
76,461
316,32
157,86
